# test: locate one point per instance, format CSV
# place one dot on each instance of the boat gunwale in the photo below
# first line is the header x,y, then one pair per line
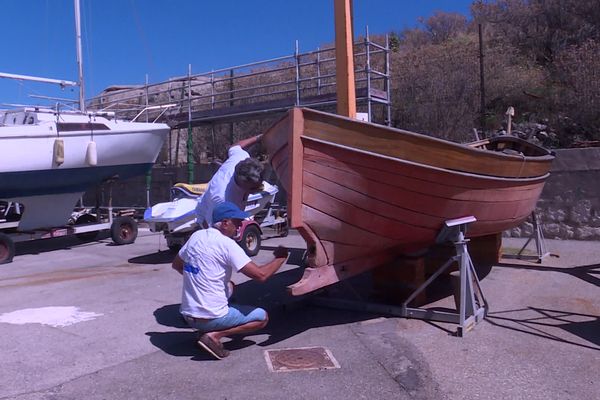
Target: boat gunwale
x,y
451,171
548,156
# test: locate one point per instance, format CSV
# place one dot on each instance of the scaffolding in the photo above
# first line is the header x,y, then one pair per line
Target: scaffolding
x,y
258,89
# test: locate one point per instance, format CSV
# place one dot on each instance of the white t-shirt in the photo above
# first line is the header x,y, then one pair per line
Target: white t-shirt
x,y
222,187
209,259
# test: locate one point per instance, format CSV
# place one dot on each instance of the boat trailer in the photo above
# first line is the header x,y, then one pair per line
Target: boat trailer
x,y
85,223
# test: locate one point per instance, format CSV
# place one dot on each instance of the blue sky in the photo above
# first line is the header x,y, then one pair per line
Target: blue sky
x,y
126,39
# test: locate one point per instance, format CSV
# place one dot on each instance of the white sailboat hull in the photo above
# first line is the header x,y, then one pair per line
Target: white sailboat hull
x,y
32,168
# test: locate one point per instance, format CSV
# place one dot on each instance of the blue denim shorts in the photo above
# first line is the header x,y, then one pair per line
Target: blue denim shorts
x,y
237,315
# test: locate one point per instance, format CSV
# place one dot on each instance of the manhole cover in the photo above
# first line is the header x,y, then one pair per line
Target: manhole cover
x,y
300,359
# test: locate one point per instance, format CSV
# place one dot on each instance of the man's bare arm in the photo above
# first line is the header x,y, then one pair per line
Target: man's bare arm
x,y
264,272
245,143
177,264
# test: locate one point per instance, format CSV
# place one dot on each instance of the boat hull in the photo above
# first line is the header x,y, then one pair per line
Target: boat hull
x,y
57,181
363,201
45,156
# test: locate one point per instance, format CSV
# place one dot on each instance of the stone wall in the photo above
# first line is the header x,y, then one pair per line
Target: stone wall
x,y
569,207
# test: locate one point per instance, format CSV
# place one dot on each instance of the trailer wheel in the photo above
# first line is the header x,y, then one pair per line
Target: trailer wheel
x,y
250,240
173,246
7,248
86,236
124,230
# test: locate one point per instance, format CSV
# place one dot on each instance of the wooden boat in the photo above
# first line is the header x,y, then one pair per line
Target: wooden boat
x,y
361,194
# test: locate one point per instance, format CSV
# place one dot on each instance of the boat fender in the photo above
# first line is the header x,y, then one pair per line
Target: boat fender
x,y
91,155
59,151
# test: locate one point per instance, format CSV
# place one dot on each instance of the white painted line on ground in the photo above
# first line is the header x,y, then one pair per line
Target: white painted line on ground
x,y
52,316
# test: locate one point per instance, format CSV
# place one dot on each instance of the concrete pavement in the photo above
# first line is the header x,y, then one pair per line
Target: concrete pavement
x,y
540,341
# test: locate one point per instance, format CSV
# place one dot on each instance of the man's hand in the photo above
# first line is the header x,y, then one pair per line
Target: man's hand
x,y
280,252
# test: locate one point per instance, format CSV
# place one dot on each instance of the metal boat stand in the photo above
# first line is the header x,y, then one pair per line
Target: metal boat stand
x,y
540,242
472,307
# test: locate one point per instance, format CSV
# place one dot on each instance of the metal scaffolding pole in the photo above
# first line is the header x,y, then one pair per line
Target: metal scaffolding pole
x,y
387,86
190,140
368,72
297,57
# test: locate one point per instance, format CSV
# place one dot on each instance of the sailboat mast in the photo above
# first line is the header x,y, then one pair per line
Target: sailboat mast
x,y
79,56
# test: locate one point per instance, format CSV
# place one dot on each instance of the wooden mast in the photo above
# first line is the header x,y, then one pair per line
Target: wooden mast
x,y
344,55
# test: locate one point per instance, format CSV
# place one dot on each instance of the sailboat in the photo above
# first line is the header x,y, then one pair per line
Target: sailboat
x,y
50,157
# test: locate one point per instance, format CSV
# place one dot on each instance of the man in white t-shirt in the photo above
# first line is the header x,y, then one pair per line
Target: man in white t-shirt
x,y
207,262
235,179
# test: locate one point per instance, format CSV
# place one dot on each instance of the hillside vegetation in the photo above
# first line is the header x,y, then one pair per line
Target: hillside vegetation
x,y
541,57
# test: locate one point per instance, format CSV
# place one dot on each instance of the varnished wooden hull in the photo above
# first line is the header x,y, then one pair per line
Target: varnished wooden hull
x,y
361,194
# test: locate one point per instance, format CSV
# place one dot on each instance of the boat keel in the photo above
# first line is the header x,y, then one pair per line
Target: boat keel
x,y
317,277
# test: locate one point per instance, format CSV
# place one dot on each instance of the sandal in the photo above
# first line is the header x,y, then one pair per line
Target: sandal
x,y
214,348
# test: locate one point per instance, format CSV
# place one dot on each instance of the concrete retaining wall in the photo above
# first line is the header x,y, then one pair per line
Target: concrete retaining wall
x,y
569,207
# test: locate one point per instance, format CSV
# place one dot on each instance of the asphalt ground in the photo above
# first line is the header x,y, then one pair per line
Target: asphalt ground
x,y
541,339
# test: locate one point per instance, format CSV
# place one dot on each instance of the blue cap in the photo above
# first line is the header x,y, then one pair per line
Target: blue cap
x,y
228,210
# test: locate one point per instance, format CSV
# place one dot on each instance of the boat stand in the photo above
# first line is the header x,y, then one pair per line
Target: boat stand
x,y
540,242
472,307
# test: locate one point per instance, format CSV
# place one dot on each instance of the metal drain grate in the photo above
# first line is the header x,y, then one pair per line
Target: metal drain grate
x,y
300,359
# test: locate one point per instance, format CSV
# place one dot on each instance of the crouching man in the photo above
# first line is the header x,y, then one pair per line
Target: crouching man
x,y
206,262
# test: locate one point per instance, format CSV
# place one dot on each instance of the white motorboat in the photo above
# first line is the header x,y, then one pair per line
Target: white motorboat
x,y
179,215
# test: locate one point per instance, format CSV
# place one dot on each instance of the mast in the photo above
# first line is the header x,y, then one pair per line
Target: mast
x,y
79,56
344,59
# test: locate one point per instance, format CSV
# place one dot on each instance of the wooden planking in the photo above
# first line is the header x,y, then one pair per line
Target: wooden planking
x,y
420,148
375,166
280,162
296,154
321,190
338,252
404,205
370,221
275,143
335,230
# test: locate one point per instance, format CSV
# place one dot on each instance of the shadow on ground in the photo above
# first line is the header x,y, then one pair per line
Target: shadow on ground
x,y
587,273
179,344
160,257
551,324
288,316
57,243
